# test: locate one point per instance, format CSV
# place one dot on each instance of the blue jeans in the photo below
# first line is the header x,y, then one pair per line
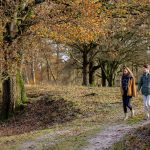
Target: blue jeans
x,y
126,102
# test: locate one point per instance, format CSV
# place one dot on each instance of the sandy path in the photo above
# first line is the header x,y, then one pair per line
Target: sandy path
x,y
110,135
44,140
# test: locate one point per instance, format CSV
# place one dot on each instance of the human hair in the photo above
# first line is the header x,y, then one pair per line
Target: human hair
x,y
146,66
130,73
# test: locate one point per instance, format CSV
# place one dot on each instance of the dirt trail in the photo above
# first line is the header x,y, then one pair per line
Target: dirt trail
x,y
45,140
102,140
110,135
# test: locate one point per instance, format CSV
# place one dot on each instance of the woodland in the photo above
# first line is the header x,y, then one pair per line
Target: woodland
x,y
54,53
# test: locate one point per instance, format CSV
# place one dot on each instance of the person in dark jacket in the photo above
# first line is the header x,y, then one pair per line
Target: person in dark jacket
x,y
128,90
144,86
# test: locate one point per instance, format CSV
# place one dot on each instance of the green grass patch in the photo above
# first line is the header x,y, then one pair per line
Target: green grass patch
x,y
136,119
75,142
118,146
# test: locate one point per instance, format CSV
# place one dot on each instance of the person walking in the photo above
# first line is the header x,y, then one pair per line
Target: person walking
x,y
128,90
144,86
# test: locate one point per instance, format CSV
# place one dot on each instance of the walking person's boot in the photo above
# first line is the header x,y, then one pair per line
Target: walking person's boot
x,y
132,113
148,113
126,116
147,116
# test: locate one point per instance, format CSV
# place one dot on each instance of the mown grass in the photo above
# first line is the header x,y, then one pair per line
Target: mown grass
x,y
85,111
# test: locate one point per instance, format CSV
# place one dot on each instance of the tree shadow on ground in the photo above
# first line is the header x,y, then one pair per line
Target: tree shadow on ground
x,y
42,113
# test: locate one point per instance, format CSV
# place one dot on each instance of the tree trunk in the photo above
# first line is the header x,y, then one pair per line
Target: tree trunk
x,y
103,76
57,63
111,81
33,72
41,72
8,86
21,93
109,71
12,31
47,70
91,74
84,70
92,77
112,75
8,80
8,95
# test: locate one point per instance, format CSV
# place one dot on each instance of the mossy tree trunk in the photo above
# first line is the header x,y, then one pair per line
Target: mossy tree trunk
x,y
21,93
8,96
17,21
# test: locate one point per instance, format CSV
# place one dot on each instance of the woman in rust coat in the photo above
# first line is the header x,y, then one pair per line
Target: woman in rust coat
x,y
128,90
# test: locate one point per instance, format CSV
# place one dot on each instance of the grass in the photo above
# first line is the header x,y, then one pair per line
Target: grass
x,y
75,142
135,119
139,140
78,111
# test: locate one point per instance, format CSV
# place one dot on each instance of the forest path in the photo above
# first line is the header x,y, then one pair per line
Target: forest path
x,y
112,134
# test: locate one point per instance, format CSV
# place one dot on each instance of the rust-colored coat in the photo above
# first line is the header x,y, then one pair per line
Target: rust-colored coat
x,y
131,88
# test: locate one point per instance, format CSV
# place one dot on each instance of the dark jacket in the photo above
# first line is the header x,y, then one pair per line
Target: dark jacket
x,y
144,84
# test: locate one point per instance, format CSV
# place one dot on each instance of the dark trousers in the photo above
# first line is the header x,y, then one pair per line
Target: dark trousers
x,y
126,103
